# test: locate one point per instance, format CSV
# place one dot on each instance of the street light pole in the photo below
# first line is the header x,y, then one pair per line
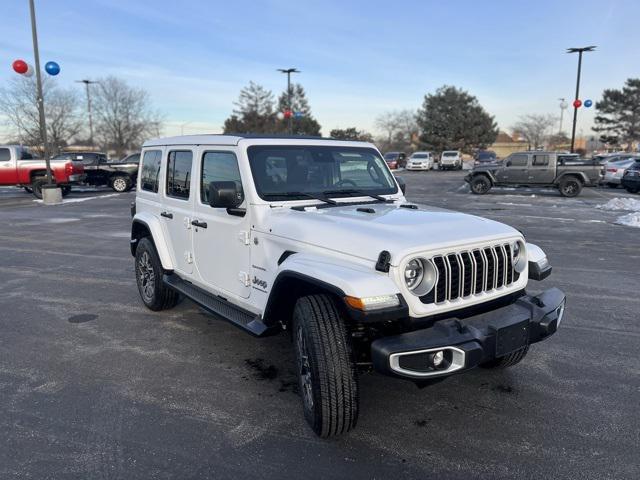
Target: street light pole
x,y
40,99
87,83
563,107
579,51
289,71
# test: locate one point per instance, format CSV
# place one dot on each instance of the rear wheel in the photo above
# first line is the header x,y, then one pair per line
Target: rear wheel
x,y
28,189
508,360
480,185
326,370
66,190
612,185
121,183
632,189
36,186
570,187
154,293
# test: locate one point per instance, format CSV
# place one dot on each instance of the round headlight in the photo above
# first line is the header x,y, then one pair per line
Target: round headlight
x,y
413,273
518,256
420,276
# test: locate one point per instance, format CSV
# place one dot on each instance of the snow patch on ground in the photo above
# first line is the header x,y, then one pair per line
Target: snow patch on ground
x,y
630,220
624,203
78,200
627,204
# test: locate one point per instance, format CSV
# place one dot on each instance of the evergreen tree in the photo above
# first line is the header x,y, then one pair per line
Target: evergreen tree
x,y
452,119
351,133
254,112
618,114
302,125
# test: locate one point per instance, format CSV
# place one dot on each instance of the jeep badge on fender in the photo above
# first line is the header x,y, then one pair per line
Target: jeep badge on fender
x,y
352,269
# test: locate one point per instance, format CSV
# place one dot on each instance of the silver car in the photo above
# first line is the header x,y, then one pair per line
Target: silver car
x,y
613,171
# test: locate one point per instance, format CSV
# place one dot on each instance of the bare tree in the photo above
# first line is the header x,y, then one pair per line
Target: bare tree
x,y
19,106
399,129
124,116
534,128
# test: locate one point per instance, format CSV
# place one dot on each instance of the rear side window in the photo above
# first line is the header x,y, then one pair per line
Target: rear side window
x,y
540,160
179,173
218,167
5,155
150,170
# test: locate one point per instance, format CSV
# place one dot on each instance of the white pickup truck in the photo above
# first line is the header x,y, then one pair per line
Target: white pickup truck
x,y
315,237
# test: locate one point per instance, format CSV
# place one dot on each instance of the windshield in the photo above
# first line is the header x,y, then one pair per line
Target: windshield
x,y
391,156
420,155
450,154
293,172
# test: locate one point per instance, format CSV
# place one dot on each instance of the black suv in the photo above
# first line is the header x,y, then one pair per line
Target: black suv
x,y
631,178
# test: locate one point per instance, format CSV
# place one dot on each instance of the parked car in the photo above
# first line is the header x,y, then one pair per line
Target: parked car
x,y
18,166
484,156
131,158
536,169
315,238
450,160
613,171
395,160
120,176
420,161
631,178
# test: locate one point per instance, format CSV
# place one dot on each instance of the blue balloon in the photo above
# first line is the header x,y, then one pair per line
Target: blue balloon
x,y
52,68
298,114
588,103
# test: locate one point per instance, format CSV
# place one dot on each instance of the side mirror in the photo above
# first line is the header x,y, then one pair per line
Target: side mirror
x,y
224,195
402,184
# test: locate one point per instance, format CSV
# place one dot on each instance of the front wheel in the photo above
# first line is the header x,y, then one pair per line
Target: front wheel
x,y
326,370
480,185
632,189
154,293
121,183
570,187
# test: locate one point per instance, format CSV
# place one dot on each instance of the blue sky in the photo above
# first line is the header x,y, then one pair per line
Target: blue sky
x,y
358,58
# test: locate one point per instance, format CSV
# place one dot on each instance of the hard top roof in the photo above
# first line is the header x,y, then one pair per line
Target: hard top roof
x,y
234,139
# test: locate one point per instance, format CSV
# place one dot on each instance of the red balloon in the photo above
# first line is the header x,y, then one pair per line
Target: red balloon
x,y
577,103
288,113
20,66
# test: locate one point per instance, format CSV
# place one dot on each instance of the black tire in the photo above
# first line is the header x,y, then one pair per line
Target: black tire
x,y
326,370
121,183
632,190
480,184
570,187
612,185
153,292
36,186
28,189
66,190
508,360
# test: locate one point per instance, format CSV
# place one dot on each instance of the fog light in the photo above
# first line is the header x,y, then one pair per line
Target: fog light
x,y
436,358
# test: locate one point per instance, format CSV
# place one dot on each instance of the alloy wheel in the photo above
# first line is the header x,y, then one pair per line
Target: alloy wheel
x,y
304,370
146,277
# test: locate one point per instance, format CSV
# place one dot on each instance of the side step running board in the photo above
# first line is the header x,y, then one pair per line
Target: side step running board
x,y
239,317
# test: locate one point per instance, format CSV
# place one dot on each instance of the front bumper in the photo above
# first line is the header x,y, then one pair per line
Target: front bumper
x,y
469,342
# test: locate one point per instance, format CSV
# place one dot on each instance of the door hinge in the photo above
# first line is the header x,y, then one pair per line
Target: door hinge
x,y
187,223
244,278
244,237
188,257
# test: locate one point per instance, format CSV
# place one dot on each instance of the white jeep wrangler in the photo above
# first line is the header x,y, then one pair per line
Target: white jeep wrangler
x,y
315,237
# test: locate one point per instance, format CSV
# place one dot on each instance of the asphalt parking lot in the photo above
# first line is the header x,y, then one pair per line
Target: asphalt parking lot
x,y
93,385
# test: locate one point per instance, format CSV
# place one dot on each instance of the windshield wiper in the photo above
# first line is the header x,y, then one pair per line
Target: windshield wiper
x,y
302,194
360,193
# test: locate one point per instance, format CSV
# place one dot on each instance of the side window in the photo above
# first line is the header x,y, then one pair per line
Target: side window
x,y
179,173
218,167
540,160
518,160
5,155
150,170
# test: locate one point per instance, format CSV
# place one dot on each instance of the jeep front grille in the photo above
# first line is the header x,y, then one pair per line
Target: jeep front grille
x,y
467,273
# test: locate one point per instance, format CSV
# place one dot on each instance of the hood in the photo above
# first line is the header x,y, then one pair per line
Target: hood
x,y
401,231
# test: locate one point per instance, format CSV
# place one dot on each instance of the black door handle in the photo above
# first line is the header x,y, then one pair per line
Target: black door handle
x,y
166,215
196,223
